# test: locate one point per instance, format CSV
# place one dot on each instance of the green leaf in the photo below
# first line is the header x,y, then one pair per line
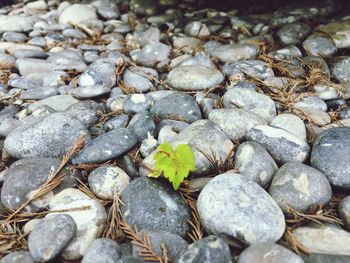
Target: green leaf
x,y
174,165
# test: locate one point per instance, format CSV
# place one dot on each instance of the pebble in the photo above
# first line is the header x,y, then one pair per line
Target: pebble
x,y
50,236
234,52
292,34
299,186
177,105
253,68
250,100
235,122
254,163
139,78
18,256
240,208
283,146
106,181
319,45
48,136
290,123
102,250
194,78
106,147
155,207
16,23
268,252
151,54
136,103
142,124
76,13
329,155
209,249
339,69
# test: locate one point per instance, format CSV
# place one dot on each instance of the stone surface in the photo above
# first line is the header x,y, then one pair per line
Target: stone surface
x,y
254,68
254,163
50,236
291,123
344,212
102,250
235,52
17,256
151,205
209,249
329,155
299,186
76,13
240,208
49,136
283,146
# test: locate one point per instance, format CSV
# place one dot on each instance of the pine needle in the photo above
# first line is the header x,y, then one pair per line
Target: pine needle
x,y
113,229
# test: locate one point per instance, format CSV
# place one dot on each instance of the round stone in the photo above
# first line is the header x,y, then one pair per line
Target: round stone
x,y
102,250
76,13
150,205
194,78
298,186
340,69
290,123
231,205
106,181
50,236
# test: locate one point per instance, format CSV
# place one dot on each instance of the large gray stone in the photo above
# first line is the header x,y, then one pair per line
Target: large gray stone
x,y
231,205
48,136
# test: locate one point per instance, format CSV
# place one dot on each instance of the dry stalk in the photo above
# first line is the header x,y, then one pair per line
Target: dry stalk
x,y
113,229
86,190
11,238
144,243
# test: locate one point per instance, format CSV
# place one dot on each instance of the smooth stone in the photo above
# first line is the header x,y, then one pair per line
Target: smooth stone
x,y
323,239
27,66
14,37
36,7
250,100
206,250
267,253
292,34
299,186
23,177
339,31
196,29
330,155
119,121
17,257
151,54
50,236
57,103
174,243
135,103
231,205
106,147
142,124
235,122
344,212
76,13
90,224
151,35
7,62
254,68
340,70
139,78
194,78
288,52
166,134
98,73
319,45
87,112
317,117
205,139
291,123
283,146
148,145
326,92
8,125
39,93
102,250
186,44
234,52
151,205
177,105
311,102
48,136
254,163
87,92
106,181
16,23
324,258
11,48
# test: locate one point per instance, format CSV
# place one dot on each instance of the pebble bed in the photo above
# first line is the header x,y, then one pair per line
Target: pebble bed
x,y
88,91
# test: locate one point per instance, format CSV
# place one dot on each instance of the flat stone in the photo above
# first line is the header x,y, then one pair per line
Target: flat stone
x,y
48,136
202,136
254,163
50,236
231,205
283,146
57,103
102,250
136,103
11,48
151,205
76,13
87,92
267,253
319,45
235,122
194,78
151,54
234,52
291,123
292,34
250,100
177,105
98,73
87,112
39,93
23,177
208,249
138,78
299,187
27,66
330,155
16,23
106,181
254,68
